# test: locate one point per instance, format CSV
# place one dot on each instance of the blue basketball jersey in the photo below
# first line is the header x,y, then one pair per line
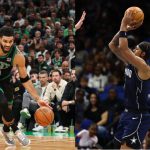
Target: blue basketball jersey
x,y
137,91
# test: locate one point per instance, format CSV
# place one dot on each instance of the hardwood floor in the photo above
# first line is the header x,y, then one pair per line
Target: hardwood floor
x,y
42,143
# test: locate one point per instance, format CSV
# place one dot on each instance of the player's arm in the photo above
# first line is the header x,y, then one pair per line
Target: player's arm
x,y
114,47
80,22
19,61
127,54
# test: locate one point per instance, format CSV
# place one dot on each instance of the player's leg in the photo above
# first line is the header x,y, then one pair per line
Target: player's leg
x,y
135,131
119,133
5,111
8,115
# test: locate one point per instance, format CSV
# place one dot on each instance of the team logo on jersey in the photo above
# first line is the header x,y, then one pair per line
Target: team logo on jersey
x,y
9,59
4,65
128,72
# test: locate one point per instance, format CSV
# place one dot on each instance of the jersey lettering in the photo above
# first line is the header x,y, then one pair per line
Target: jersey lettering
x,y
128,72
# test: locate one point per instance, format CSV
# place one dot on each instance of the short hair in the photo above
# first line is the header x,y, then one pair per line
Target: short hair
x,y
145,47
33,71
6,31
41,55
56,70
66,71
57,50
43,72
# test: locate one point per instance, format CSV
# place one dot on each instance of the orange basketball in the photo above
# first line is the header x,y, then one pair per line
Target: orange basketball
x,y
137,14
44,116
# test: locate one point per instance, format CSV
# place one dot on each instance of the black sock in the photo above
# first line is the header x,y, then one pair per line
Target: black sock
x,y
14,127
6,128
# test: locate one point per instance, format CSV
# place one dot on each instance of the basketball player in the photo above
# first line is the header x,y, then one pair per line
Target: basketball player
x,y
9,57
135,120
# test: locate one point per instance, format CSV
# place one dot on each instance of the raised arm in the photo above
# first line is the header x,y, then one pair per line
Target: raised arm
x,y
128,55
80,22
114,47
122,50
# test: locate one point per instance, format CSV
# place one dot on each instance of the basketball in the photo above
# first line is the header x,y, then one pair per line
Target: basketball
x,y
137,14
44,116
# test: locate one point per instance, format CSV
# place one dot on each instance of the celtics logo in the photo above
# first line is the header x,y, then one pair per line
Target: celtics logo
x,y
4,65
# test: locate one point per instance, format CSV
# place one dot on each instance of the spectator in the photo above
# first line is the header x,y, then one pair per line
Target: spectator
x,y
54,92
66,75
42,65
98,80
57,60
88,138
68,102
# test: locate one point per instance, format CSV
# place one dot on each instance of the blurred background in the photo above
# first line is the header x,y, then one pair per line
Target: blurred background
x,y
100,94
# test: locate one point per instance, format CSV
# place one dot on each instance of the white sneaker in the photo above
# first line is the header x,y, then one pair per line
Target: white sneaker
x,y
25,113
61,129
22,138
20,125
38,128
9,140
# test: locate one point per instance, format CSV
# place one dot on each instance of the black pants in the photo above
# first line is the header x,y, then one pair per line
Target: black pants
x,y
68,118
17,107
6,98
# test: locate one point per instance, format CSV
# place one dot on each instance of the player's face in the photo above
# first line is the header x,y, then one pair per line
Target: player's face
x,y
137,51
6,43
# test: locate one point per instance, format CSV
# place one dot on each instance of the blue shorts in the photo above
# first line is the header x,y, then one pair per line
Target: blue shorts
x,y
132,129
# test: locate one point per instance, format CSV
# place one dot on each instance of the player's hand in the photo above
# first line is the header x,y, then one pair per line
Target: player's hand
x,y
127,19
44,103
134,26
128,23
80,22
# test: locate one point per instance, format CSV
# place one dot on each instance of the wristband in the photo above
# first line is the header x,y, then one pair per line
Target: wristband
x,y
123,34
23,80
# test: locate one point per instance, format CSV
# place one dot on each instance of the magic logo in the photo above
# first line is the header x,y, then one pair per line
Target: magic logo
x,y
4,65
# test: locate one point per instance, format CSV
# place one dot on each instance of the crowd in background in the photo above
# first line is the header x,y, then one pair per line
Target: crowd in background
x,y
44,32
100,92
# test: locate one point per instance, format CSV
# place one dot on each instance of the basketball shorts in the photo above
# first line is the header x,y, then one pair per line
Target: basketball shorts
x,y
6,89
132,129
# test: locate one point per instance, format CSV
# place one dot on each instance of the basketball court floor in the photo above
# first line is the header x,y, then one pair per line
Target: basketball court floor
x,y
43,140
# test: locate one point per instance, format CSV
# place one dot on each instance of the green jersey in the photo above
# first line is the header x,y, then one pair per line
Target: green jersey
x,y
6,63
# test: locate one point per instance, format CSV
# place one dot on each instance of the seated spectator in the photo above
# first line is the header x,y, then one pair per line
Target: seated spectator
x,y
98,80
98,115
81,104
64,66
57,60
114,106
54,92
88,138
42,65
48,58
66,75
68,102
42,50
